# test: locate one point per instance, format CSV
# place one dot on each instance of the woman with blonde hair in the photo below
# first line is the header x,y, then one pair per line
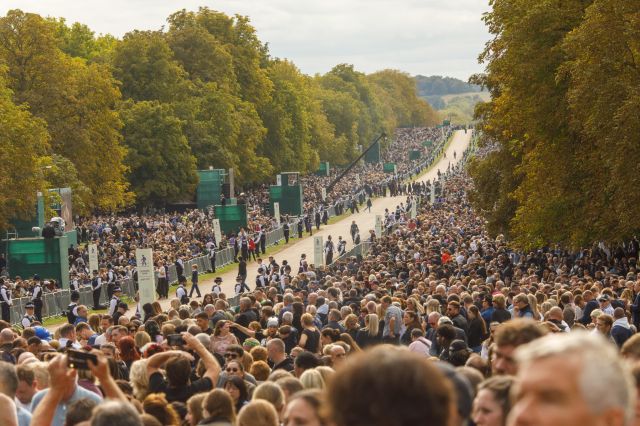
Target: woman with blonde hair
x,y
310,336
369,335
258,413
414,305
272,393
139,379
312,379
433,305
533,304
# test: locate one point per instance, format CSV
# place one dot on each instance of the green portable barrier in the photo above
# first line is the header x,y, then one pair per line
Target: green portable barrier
x,y
232,218
389,168
209,188
47,257
324,169
414,155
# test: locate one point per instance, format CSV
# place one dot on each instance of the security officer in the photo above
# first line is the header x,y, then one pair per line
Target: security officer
x,y
285,229
181,292
111,281
28,318
72,308
5,301
115,299
36,297
216,289
96,285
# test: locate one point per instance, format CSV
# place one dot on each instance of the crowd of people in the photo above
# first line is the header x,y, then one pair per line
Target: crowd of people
x,y
439,324
177,238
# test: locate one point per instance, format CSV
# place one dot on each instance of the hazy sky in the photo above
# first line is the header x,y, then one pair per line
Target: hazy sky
x,y
428,37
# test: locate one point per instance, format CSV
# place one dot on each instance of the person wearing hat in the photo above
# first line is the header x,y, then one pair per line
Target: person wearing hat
x,y
72,308
28,318
115,299
5,301
605,304
36,297
241,286
262,280
181,292
217,289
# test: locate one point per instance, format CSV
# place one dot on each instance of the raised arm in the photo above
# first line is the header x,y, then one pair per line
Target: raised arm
x,y
159,359
210,363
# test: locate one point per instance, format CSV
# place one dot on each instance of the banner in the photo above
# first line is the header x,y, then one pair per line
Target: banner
x,y
318,255
378,226
278,180
414,208
216,231
93,258
324,193
276,212
146,276
433,192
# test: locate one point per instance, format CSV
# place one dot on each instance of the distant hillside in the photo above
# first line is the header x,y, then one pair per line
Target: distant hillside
x,y
452,97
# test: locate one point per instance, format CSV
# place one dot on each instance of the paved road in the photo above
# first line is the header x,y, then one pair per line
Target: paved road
x,y
365,221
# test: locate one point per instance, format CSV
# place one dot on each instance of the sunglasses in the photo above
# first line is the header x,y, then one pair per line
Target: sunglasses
x,y
231,355
232,370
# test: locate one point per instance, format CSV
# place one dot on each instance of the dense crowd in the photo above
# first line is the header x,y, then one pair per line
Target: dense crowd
x,y
439,324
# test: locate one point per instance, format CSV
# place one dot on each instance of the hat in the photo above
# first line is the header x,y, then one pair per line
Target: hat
x,y
123,305
42,333
29,305
218,280
272,322
117,289
603,298
250,343
36,277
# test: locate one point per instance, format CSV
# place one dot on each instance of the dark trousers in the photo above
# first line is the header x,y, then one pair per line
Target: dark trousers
x,y
263,245
213,263
96,298
6,312
196,288
286,237
329,258
37,306
110,287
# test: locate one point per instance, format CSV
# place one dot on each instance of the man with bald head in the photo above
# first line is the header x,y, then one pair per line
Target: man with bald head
x,y
556,316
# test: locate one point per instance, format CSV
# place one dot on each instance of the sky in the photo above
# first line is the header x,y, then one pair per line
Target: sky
x,y
427,37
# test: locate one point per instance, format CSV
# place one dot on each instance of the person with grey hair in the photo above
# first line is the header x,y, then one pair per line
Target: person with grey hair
x,y
572,379
119,413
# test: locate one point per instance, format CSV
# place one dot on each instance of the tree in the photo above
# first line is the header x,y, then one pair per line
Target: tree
x,y
76,100
147,69
161,167
24,142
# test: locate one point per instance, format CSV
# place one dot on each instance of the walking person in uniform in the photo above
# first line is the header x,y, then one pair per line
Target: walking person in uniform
x,y
96,285
217,289
299,228
28,318
113,302
369,204
354,230
285,229
36,297
328,250
194,281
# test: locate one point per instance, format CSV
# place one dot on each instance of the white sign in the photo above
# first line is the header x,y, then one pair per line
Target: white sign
x,y
216,231
276,212
378,226
278,180
146,276
318,258
414,208
324,193
93,258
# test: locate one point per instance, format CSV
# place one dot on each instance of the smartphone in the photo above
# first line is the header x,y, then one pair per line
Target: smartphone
x,y
79,359
175,340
